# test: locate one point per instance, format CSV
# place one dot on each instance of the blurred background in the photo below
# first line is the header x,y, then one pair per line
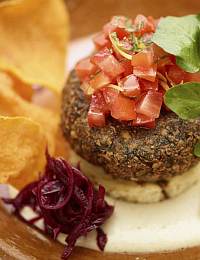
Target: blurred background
x,y
88,16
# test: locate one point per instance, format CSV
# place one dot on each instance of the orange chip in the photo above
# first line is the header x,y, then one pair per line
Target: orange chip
x,y
22,89
12,104
22,157
33,43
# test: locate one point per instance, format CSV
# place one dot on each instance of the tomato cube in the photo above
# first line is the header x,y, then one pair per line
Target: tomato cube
x,y
118,25
176,74
150,104
85,68
144,121
130,86
144,24
147,85
123,108
97,110
192,77
100,40
110,94
99,80
143,58
146,73
108,63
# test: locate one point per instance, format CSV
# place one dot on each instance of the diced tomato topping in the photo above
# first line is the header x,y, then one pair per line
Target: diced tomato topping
x,y
150,104
144,121
110,94
100,56
143,65
108,28
118,25
150,124
143,58
130,86
97,110
100,40
161,57
108,63
85,68
146,73
128,68
176,74
96,118
99,80
123,108
153,23
125,82
144,25
192,77
147,85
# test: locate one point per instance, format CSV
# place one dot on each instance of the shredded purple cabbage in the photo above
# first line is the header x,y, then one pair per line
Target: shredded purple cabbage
x,y
67,202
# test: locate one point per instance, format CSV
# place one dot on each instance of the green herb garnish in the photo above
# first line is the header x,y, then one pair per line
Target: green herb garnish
x,y
136,42
117,46
184,100
180,36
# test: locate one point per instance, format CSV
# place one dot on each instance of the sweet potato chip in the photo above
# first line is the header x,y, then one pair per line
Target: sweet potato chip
x,y
12,104
22,157
33,43
24,90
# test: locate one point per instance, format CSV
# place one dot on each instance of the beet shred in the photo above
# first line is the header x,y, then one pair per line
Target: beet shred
x,y
67,202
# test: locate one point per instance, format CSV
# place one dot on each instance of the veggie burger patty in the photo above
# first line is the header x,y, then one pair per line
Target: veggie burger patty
x,y
138,154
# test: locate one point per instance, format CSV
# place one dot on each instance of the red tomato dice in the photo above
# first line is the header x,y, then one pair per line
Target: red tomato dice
x,y
130,86
147,85
99,80
176,74
128,68
143,65
146,73
192,77
97,110
108,63
118,25
110,94
144,25
100,41
144,121
85,68
150,104
96,118
143,58
123,108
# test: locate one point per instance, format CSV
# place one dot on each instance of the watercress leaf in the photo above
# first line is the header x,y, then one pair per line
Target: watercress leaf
x,y
184,100
180,36
197,150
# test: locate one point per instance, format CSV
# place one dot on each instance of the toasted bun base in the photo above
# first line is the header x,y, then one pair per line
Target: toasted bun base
x,y
133,191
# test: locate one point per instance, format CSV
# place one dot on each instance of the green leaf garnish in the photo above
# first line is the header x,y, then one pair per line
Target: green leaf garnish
x,y
180,36
184,100
197,150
